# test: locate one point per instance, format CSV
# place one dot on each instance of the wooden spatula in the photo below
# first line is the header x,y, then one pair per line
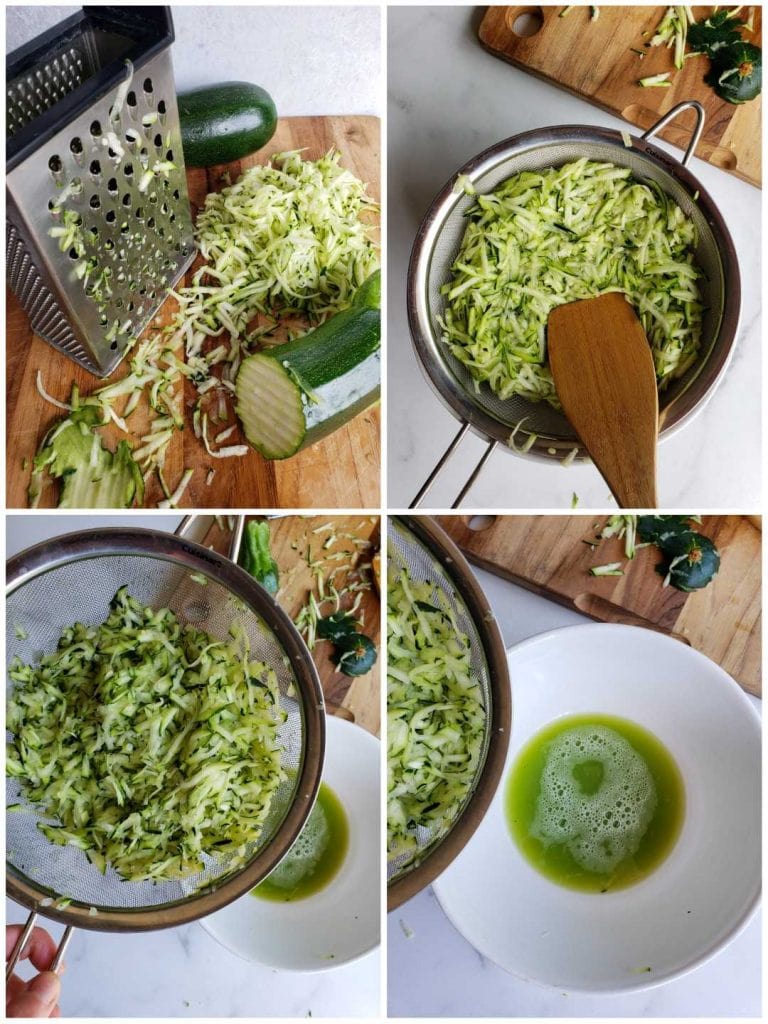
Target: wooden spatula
x,y
604,375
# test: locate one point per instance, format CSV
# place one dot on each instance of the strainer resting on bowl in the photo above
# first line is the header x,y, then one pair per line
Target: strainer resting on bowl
x,y
73,579
420,547
437,244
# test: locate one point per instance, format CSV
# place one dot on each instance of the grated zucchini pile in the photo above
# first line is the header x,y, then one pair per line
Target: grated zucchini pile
x,y
149,743
435,713
542,239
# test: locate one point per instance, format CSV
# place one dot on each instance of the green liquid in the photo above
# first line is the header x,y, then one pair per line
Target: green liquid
x,y
595,802
315,857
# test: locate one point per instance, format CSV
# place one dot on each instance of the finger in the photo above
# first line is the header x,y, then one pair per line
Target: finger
x,y
39,999
56,1012
13,987
39,947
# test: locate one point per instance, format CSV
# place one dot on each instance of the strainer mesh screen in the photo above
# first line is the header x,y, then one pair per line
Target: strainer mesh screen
x,y
80,592
540,417
405,549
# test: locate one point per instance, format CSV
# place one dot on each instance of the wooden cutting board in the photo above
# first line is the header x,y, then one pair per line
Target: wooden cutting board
x,y
593,59
546,554
294,542
342,470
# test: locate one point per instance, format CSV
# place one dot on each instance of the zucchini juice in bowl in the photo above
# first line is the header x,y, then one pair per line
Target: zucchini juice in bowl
x,y
594,802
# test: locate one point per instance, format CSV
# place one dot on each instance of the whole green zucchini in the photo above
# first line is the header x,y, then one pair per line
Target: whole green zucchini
x,y
220,123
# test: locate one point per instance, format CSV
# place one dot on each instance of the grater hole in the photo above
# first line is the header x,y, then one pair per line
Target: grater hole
x,y
128,170
103,321
127,199
55,164
73,254
147,85
139,213
94,203
95,129
109,245
110,217
151,222
130,99
95,169
169,155
76,146
112,186
175,193
124,228
161,108
158,141
113,346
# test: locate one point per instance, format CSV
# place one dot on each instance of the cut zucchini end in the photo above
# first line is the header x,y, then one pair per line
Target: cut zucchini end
x,y
270,407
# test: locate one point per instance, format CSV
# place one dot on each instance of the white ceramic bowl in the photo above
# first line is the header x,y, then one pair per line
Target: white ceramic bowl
x,y
341,922
700,897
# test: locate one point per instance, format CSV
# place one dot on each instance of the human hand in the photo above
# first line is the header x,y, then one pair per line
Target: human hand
x,y
38,997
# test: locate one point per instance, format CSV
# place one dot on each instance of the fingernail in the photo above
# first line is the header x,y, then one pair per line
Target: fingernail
x,y
46,987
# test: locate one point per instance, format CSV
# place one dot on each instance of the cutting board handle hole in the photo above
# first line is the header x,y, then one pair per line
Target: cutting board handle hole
x,y
526,22
480,523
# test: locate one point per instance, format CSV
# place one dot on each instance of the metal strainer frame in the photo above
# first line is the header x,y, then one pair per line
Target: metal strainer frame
x,y
443,850
680,402
184,555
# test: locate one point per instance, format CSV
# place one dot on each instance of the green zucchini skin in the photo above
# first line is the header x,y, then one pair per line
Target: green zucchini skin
x,y
225,122
334,371
332,349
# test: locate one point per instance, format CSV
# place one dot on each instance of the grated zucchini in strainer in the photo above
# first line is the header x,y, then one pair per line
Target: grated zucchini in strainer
x,y
448,704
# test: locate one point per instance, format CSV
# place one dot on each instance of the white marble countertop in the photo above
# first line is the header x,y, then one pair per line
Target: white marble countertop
x,y
300,55
437,973
183,972
448,100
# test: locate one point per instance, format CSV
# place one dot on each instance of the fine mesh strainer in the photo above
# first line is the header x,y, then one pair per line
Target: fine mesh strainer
x,y
73,578
74,151
437,244
420,545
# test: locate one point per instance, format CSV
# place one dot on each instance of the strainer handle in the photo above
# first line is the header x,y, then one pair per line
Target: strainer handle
x,y
442,461
188,526
21,942
425,487
670,116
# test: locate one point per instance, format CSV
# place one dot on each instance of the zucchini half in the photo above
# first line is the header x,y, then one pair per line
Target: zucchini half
x,y
294,395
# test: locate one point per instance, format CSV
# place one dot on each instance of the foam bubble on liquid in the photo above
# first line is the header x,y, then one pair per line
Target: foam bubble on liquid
x,y
600,828
304,856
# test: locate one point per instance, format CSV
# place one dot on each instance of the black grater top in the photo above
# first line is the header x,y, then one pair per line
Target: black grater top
x,y
55,77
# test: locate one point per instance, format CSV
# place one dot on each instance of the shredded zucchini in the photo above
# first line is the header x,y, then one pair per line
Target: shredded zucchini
x,y
435,713
149,743
573,232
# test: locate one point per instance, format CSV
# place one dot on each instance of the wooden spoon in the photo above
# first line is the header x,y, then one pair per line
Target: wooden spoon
x,y
606,382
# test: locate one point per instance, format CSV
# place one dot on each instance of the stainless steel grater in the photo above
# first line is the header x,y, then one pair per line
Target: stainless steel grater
x,y
98,219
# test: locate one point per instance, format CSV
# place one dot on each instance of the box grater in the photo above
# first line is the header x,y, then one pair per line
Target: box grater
x,y
98,219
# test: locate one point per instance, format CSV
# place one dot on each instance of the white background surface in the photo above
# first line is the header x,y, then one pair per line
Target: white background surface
x,y
448,100
437,973
311,60
183,972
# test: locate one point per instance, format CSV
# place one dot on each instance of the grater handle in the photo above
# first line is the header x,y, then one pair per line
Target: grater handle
x,y
21,942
